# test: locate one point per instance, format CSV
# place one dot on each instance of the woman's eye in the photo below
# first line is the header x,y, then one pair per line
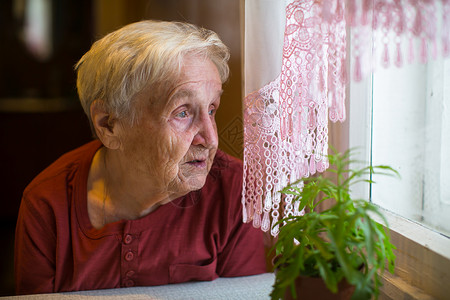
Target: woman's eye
x,y
182,114
211,111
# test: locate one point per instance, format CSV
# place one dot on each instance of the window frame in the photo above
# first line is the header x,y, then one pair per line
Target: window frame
x,y
423,255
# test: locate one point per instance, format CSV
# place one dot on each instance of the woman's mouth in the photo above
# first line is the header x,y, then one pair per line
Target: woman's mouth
x,y
198,163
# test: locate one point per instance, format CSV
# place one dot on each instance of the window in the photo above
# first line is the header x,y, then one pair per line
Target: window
x,y
401,117
411,132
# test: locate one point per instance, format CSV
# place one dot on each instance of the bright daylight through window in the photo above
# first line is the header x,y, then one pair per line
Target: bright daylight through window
x,y
401,117
411,132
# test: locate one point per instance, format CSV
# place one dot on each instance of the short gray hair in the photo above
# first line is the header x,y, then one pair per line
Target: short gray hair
x,y
141,54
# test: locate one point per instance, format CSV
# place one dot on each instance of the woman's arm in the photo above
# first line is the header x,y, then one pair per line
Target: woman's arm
x,y
244,252
35,248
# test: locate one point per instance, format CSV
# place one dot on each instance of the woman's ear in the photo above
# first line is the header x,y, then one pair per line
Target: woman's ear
x,y
105,125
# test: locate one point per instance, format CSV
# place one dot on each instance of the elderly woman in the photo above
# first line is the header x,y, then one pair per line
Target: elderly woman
x,y
152,200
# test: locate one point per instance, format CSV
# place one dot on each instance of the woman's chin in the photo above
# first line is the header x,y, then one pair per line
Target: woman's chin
x,y
196,182
188,184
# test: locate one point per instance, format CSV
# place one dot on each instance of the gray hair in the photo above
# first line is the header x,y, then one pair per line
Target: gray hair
x,y
141,54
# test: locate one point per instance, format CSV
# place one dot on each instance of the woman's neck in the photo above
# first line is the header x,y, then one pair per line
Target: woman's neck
x,y
115,193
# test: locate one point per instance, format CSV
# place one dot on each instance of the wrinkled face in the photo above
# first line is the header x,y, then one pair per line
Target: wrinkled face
x,y
174,143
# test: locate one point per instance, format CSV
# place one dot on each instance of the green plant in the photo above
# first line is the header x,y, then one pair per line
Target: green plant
x,y
341,241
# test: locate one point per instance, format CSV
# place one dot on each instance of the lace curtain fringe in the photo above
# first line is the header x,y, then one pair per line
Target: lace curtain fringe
x,y
286,121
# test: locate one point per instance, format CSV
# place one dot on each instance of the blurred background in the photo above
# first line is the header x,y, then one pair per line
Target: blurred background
x,y
40,116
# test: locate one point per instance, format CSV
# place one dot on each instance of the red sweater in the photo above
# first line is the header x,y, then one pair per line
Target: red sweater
x,y
196,237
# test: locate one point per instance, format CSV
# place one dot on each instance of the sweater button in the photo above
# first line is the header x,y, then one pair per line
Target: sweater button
x,y
130,273
128,239
129,256
129,283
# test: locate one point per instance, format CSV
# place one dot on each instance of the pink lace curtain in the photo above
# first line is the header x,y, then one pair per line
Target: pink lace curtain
x,y
286,117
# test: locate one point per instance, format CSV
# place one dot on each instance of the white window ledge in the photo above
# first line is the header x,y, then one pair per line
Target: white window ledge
x,y
422,267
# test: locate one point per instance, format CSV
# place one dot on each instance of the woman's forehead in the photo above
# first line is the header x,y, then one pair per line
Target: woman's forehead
x,y
197,75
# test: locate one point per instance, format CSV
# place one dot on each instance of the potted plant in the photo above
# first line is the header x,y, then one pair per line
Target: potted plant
x,y
340,244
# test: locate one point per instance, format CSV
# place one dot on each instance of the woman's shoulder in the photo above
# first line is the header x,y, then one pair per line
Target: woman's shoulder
x,y
54,178
225,176
225,164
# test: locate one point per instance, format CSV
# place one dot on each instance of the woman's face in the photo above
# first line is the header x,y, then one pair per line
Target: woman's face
x,y
174,143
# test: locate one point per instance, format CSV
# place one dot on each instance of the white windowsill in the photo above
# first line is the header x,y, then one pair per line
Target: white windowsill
x,y
422,266
418,233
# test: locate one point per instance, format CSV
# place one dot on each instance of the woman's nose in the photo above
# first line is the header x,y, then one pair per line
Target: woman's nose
x,y
207,131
